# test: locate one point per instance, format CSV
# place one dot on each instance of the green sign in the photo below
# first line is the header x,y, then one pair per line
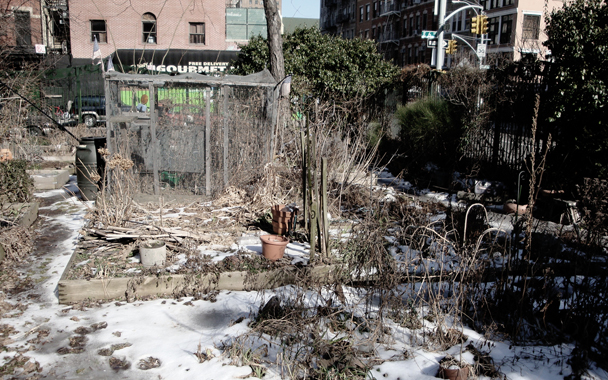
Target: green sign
x,y
429,34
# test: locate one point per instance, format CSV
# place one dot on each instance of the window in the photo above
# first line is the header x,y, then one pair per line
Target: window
x,y
409,55
417,23
197,33
373,32
506,29
405,27
411,25
99,31
424,17
494,4
367,12
507,2
375,9
531,27
361,14
148,21
23,28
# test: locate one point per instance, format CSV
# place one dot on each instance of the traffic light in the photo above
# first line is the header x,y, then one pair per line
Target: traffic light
x,y
475,25
483,24
451,48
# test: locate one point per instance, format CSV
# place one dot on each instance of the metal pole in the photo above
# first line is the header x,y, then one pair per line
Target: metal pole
x,y
440,49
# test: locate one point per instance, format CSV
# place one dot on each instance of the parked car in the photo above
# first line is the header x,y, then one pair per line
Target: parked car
x,y
39,124
93,109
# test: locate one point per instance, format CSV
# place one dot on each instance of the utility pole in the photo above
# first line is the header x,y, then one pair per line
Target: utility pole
x,y
440,51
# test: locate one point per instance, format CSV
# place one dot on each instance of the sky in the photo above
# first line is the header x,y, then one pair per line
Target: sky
x,y
301,8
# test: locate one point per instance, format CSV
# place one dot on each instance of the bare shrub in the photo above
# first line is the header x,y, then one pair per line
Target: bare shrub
x,y
18,243
114,207
16,185
593,206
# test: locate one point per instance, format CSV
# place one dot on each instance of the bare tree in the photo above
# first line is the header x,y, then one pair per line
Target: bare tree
x,y
275,41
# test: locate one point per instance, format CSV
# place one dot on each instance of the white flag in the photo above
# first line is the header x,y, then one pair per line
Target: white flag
x,y
110,64
96,53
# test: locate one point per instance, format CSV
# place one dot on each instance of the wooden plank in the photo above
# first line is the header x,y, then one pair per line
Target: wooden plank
x,y
226,92
71,291
324,209
207,142
109,131
28,210
122,118
304,174
155,143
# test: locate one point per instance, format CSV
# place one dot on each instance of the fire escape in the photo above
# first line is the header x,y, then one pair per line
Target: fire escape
x,y
388,39
330,24
56,26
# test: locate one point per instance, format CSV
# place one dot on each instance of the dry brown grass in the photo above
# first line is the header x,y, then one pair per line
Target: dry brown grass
x,y
18,243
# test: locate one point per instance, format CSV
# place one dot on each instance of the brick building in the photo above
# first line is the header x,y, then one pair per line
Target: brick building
x,y
20,30
153,27
395,25
146,24
515,26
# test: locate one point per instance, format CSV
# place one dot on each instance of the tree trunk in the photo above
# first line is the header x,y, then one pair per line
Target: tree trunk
x,y
275,41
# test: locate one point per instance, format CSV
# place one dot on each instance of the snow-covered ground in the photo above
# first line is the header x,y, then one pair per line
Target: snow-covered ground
x,y
171,331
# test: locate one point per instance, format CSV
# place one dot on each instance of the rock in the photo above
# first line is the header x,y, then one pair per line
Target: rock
x,y
272,310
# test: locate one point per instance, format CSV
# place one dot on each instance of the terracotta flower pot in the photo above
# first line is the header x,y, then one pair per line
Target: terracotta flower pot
x,y
454,373
273,246
282,219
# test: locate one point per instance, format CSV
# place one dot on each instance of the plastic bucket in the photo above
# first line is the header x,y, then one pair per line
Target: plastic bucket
x,y
153,253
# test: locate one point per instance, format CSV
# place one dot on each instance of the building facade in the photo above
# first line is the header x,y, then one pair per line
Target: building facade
x,y
144,24
20,31
55,26
161,26
396,26
515,27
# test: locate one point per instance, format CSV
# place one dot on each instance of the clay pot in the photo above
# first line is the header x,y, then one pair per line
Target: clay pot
x,y
5,155
282,219
510,207
153,252
454,374
273,246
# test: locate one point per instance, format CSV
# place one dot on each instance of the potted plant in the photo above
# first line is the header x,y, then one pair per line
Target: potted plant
x,y
450,368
